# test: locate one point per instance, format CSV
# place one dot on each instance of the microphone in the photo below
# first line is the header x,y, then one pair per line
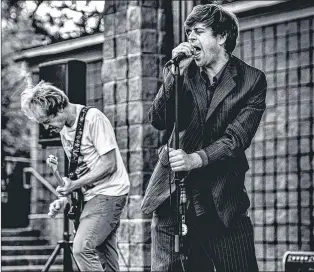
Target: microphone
x,y
178,58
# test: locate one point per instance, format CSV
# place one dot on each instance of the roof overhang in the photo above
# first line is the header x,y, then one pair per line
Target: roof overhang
x,y
243,6
60,47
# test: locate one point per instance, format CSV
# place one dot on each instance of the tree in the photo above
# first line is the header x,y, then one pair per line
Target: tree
x,y
59,20
17,33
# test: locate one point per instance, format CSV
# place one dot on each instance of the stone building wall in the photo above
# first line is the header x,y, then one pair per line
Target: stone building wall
x,y
133,55
280,179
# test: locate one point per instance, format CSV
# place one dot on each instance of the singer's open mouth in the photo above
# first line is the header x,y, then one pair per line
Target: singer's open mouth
x,y
197,50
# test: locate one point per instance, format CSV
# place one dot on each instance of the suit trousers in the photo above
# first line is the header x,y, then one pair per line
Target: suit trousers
x,y
95,242
210,245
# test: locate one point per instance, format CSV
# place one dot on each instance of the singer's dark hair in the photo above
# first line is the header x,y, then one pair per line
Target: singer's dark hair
x,y
219,20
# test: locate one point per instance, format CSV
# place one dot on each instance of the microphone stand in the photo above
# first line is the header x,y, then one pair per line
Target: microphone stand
x,y
181,199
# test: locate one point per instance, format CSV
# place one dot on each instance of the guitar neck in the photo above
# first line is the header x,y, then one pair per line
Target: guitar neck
x,y
58,177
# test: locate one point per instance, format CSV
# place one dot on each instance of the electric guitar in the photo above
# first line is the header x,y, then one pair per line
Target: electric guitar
x,y
77,197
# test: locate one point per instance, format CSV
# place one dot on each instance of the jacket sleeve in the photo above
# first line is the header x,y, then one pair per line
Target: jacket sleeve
x,y
239,134
162,111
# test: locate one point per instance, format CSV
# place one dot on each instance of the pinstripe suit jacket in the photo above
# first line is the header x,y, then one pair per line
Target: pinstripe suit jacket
x,y
220,135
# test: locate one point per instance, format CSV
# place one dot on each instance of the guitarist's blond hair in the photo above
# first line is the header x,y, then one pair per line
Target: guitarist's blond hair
x,y
50,99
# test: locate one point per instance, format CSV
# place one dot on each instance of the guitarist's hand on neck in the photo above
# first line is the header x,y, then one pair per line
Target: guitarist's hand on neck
x,y
67,188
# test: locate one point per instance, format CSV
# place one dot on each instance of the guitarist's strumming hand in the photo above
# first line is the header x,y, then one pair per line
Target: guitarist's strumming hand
x,y
67,188
57,205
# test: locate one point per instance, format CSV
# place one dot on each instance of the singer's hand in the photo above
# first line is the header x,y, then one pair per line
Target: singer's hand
x,y
56,206
188,50
67,188
181,161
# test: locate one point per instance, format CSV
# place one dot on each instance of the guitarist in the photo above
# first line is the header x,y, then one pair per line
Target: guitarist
x,y
100,174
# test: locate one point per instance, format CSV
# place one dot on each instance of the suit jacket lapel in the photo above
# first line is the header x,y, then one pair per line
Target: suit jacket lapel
x,y
225,86
198,90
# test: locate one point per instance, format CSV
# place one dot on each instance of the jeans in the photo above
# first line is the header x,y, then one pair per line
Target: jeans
x,y
95,242
209,248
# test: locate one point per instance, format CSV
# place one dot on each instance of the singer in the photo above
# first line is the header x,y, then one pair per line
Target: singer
x,y
100,171
222,100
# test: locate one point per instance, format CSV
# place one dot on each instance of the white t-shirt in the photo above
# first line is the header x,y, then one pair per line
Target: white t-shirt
x,y
98,139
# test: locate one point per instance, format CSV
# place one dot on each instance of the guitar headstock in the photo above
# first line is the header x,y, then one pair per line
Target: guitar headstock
x,y
52,162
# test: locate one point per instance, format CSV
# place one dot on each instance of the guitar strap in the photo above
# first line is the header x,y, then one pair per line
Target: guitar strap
x,y
77,144
77,196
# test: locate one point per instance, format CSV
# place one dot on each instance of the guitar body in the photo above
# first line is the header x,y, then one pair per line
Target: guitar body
x,y
76,209
76,197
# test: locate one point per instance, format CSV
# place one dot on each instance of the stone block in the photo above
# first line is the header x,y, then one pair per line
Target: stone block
x,y
110,112
134,41
293,147
124,255
123,231
122,137
137,112
136,162
139,181
149,41
305,128
293,182
134,17
121,68
136,137
150,65
270,197
293,165
149,18
141,18
110,7
121,21
305,163
109,93
121,91
108,48
109,24
281,216
142,88
135,88
121,44
135,66
305,181
134,207
139,232
150,136
270,217
305,198
121,114
121,5
143,65
143,136
134,231
109,70
143,160
270,234
270,148
140,255
305,75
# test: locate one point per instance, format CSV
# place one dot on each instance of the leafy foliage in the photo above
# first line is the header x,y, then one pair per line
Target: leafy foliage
x,y
16,34
58,20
